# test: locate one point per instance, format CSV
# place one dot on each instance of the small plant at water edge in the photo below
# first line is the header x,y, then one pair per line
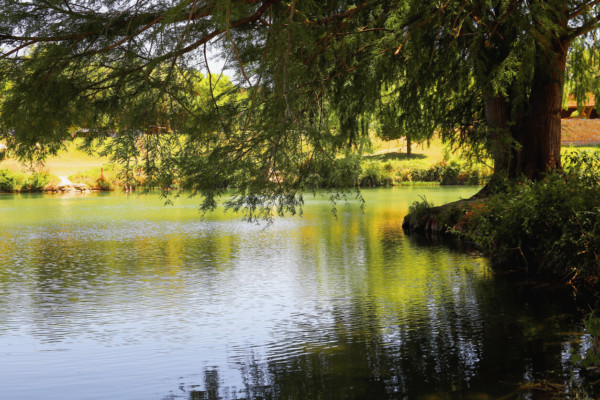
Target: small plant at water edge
x,y
590,361
418,211
592,327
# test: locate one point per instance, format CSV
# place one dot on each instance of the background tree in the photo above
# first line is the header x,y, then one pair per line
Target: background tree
x,y
582,73
403,114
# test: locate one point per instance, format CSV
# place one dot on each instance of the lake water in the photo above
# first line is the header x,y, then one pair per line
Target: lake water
x,y
110,296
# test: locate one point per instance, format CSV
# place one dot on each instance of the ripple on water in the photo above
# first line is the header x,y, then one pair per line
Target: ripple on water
x,y
143,302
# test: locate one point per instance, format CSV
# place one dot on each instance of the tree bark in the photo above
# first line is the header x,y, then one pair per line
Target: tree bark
x,y
408,146
529,143
539,135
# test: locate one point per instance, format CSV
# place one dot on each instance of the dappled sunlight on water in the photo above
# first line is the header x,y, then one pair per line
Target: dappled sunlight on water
x,y
117,297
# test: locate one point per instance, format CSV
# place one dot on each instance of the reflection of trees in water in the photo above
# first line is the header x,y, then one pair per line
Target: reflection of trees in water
x,y
432,327
212,384
444,356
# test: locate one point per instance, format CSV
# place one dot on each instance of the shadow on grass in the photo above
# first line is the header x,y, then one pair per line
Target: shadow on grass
x,y
395,156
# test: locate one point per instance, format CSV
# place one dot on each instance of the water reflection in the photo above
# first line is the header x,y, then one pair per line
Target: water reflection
x,y
451,356
140,301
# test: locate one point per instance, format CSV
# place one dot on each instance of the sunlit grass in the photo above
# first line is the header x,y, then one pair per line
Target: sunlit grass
x,y
423,155
565,149
67,162
72,160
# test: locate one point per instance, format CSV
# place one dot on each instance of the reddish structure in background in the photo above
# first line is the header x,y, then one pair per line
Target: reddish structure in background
x,y
583,128
587,108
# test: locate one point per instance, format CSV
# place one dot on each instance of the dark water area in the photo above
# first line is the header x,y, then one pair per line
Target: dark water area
x,y
109,296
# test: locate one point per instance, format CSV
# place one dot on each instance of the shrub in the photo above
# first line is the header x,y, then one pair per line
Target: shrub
x,y
450,173
592,327
351,171
474,176
341,173
10,181
389,167
404,175
89,178
583,165
418,211
53,182
373,174
552,225
102,184
345,172
108,177
36,181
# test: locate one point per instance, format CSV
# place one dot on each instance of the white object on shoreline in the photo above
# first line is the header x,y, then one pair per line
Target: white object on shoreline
x,y
64,181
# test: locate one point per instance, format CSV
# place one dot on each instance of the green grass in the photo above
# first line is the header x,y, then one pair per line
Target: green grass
x,y
423,155
566,149
69,161
427,154
72,160
385,163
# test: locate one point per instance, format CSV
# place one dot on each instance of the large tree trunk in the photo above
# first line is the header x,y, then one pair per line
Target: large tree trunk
x,y
537,128
539,134
408,146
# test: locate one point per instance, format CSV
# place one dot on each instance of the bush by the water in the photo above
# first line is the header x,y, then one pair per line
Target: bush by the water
x,y
108,177
341,172
36,182
391,173
11,181
552,225
352,171
592,327
419,210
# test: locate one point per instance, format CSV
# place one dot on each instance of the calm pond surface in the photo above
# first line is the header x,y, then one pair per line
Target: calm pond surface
x,y
110,296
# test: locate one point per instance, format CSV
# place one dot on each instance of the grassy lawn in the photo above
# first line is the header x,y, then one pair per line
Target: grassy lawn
x,y
423,155
427,154
72,160
566,149
67,162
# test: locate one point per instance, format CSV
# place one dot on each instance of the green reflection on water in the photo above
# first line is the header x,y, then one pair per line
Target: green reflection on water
x,y
311,307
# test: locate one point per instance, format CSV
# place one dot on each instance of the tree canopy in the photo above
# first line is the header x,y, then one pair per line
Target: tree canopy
x,y
485,74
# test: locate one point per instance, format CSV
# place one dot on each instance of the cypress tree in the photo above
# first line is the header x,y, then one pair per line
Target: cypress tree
x,y
306,77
